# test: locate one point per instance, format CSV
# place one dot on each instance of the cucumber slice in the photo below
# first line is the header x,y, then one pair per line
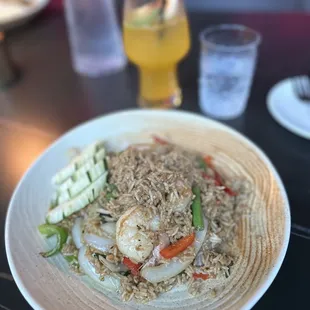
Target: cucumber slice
x,y
75,205
54,201
90,195
65,185
83,170
100,155
78,162
88,153
84,177
96,171
87,196
64,174
63,197
79,186
55,215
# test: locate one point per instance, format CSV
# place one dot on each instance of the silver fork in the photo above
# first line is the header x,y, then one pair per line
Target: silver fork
x,y
300,231
301,87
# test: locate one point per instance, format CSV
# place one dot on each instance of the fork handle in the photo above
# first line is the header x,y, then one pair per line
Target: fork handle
x,y
300,231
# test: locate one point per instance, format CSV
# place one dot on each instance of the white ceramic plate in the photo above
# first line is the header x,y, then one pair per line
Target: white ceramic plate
x,y
263,234
287,109
14,14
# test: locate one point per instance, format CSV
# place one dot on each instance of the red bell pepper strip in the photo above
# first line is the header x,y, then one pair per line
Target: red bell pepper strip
x,y
177,247
203,276
208,160
159,140
217,178
133,267
230,192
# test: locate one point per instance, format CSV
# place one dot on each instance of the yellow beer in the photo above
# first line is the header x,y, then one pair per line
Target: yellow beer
x,y
156,49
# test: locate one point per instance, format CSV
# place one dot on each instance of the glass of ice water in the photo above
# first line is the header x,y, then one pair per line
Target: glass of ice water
x,y
227,64
95,37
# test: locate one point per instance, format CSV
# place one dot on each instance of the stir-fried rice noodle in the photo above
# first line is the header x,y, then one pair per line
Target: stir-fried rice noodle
x,y
153,185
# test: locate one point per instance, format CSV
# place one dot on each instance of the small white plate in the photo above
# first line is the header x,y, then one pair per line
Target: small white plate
x,y
263,233
288,110
13,14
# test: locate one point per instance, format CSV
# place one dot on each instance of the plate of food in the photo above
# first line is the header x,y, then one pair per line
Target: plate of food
x,y
16,12
148,210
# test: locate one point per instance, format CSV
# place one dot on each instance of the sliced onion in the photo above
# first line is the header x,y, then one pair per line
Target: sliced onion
x,y
164,272
200,235
198,262
163,243
86,266
108,218
109,229
103,211
77,232
102,244
181,204
89,270
110,266
155,223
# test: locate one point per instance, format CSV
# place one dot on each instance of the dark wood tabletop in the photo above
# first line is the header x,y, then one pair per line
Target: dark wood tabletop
x,y
50,98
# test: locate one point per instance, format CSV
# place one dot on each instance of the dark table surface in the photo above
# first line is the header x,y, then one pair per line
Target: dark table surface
x,y
50,98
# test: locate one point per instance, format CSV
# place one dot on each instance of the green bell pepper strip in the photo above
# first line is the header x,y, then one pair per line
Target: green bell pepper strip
x,y
197,209
71,259
111,192
49,230
202,164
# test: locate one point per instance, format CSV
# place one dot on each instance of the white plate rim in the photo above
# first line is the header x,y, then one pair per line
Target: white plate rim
x,y
21,19
278,118
275,269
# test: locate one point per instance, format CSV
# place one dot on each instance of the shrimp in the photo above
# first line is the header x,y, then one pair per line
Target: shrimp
x,y
130,239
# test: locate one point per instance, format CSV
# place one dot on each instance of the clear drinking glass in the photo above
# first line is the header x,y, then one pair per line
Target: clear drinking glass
x,y
156,38
227,64
95,37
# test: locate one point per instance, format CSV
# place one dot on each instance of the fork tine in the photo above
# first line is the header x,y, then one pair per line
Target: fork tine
x,y
306,86
301,87
296,88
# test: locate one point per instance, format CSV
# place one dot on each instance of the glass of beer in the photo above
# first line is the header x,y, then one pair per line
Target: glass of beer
x,y
156,38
